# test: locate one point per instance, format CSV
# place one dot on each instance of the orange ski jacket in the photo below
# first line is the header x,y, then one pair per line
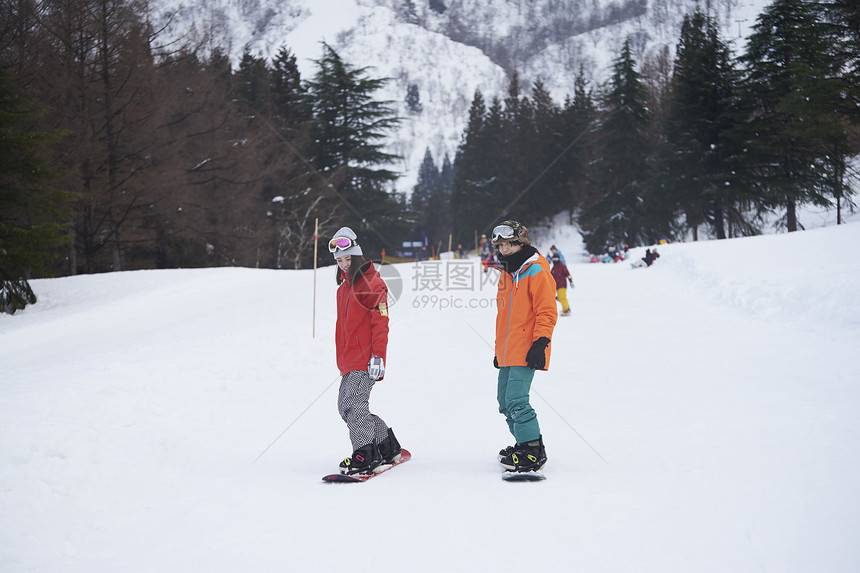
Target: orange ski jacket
x,y
526,311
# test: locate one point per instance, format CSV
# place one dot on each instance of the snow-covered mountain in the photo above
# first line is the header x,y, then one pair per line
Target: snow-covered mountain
x,y
450,53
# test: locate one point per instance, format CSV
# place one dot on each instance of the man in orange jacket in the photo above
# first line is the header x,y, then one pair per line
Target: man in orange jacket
x,y
526,317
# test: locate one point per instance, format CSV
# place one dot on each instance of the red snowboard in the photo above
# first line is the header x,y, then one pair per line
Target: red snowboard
x,y
405,456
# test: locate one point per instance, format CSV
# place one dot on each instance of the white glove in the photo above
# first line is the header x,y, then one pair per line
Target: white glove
x,y
376,367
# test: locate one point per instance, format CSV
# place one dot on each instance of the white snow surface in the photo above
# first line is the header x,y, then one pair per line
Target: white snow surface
x,y
699,415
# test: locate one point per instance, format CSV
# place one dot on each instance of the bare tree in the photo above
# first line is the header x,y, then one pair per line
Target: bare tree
x,y
296,232
97,64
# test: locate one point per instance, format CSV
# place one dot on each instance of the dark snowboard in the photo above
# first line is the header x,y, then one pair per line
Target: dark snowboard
x,y
523,476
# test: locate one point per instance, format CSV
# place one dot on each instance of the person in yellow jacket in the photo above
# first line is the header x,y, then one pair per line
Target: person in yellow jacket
x,y
526,316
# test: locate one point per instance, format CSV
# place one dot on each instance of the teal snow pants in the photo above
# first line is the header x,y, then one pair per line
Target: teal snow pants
x,y
513,395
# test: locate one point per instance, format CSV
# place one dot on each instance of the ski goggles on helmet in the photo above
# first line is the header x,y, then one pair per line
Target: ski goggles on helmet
x,y
341,243
503,233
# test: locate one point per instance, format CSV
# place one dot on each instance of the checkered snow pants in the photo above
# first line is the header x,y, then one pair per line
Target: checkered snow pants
x,y
353,405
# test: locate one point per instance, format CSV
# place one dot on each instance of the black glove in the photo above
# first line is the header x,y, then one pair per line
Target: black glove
x,y
496,362
536,357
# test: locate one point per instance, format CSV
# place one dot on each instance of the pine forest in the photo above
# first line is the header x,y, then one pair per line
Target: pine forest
x,y
120,151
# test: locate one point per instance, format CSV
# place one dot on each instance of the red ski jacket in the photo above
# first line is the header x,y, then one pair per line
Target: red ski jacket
x,y
560,273
362,318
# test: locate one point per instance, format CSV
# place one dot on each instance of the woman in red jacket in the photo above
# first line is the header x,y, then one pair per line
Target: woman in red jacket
x,y
526,317
361,340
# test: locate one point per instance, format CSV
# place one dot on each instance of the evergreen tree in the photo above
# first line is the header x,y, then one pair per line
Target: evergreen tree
x,y
440,202
496,192
413,99
428,181
446,174
842,19
425,196
471,194
349,131
438,6
550,172
30,208
289,96
697,125
252,84
656,71
624,173
516,157
296,196
409,12
843,27
788,90
577,119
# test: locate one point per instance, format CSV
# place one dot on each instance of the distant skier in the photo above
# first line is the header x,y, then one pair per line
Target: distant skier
x,y
555,253
361,341
526,316
647,260
562,278
486,253
654,256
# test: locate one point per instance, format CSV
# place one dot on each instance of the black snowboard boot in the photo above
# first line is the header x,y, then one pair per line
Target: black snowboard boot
x,y
363,460
526,457
506,452
390,448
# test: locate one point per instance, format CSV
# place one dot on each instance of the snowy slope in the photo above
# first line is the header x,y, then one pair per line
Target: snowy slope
x,y
700,415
